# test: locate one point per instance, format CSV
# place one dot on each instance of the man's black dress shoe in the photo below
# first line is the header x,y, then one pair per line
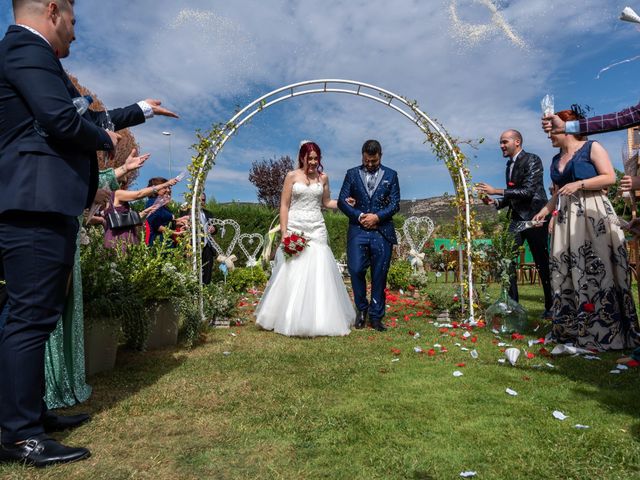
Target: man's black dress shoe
x,y
58,423
361,319
41,451
379,326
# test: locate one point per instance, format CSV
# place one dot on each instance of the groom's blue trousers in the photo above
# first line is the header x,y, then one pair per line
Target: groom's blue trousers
x,y
369,249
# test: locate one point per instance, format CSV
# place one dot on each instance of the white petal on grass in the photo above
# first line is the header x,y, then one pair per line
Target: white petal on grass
x,y
559,415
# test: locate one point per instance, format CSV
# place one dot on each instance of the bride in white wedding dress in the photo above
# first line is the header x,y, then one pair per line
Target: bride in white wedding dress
x,y
305,296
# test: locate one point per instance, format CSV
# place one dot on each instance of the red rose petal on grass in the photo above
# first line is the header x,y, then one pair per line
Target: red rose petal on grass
x,y
481,324
453,334
411,332
474,339
395,351
526,379
461,364
544,352
530,355
633,363
444,330
431,352
443,350
517,336
455,324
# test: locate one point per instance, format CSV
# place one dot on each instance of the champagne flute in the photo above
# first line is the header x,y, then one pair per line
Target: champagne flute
x,y
547,105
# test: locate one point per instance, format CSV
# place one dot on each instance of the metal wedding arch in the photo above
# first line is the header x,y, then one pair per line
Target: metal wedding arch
x,y
351,87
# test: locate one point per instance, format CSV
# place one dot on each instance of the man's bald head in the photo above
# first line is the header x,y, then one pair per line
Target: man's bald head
x,y
29,8
53,19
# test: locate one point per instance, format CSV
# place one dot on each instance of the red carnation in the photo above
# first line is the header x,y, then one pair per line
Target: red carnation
x,y
511,184
299,248
589,307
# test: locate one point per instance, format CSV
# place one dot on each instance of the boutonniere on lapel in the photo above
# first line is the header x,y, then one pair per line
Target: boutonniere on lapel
x,y
511,184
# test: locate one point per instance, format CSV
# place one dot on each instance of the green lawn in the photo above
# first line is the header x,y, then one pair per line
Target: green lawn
x,y
349,408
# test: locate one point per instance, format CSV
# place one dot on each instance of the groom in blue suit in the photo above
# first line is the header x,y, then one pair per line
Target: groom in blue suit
x,y
371,233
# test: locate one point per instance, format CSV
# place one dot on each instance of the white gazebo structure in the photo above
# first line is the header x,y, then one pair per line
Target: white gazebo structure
x,y
350,87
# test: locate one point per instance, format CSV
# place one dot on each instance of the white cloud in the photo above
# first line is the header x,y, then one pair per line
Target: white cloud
x,y
206,58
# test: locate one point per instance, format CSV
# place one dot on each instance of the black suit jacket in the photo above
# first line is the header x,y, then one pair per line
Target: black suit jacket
x,y
57,173
525,194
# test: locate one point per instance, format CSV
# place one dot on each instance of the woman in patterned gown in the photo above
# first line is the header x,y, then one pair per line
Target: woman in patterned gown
x,y
593,304
64,352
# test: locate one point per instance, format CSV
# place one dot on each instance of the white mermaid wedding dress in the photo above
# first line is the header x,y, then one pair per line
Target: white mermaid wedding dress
x,y
305,296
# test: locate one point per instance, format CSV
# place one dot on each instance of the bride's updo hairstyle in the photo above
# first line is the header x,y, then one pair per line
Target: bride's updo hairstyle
x,y
575,113
306,149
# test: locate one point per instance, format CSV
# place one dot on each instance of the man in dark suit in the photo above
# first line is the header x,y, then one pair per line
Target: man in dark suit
x,y
49,175
371,234
524,196
207,248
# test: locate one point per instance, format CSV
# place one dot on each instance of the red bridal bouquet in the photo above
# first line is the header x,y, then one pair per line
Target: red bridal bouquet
x,y
293,244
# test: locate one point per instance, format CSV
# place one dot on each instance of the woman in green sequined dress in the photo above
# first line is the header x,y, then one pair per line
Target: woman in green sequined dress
x,y
64,353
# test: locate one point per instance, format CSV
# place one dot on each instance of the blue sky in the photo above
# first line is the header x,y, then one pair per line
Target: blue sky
x,y
204,59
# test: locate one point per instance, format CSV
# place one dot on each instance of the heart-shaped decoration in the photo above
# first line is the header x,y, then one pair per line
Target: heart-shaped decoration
x,y
417,231
221,226
398,237
248,241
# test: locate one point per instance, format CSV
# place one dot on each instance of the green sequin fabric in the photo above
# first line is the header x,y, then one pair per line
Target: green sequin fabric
x,y
64,353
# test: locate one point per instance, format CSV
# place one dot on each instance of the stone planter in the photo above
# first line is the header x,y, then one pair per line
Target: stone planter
x,y
100,345
163,326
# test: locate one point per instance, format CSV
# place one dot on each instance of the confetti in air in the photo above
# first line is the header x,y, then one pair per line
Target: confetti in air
x,y
626,60
472,33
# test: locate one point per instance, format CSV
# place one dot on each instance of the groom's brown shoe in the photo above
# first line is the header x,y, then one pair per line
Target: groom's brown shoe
x,y
361,319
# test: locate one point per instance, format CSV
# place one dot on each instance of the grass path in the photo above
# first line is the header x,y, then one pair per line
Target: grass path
x,y
349,408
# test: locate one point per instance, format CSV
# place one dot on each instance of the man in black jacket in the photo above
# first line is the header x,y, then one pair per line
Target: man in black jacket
x,y
49,176
208,253
524,195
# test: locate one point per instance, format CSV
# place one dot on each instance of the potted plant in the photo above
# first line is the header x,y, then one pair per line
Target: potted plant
x,y
102,302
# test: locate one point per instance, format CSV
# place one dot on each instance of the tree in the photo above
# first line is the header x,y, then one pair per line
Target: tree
x,y
125,145
268,177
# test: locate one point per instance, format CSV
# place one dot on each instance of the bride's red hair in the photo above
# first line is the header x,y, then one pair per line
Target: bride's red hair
x,y
306,149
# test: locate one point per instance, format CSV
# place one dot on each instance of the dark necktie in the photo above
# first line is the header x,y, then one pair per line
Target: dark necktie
x,y
508,172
